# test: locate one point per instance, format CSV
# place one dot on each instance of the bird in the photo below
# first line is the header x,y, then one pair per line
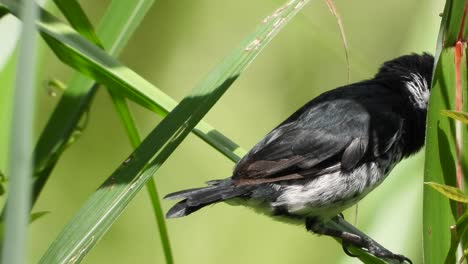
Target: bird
x,y
330,153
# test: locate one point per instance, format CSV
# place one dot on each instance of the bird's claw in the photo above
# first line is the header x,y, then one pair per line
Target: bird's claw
x,y
373,248
354,239
345,246
381,252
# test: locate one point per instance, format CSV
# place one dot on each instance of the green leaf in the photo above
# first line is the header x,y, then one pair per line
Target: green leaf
x,y
453,16
440,142
107,203
438,214
457,115
76,16
442,163
450,192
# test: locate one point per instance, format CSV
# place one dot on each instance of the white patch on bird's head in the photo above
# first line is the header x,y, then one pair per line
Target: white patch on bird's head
x,y
418,90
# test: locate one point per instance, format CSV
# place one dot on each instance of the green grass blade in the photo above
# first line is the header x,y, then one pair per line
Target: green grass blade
x,y
118,23
105,205
453,23
21,146
127,119
151,188
78,19
442,162
161,220
76,16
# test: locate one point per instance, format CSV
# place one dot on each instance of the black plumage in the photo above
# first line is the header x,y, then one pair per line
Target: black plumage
x,y
332,151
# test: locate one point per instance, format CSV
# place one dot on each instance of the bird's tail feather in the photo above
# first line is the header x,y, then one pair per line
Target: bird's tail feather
x,y
197,198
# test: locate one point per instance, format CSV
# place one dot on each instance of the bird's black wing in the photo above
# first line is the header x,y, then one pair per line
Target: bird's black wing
x,y
338,133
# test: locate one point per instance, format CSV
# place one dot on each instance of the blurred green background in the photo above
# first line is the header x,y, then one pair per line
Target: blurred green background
x,y
176,44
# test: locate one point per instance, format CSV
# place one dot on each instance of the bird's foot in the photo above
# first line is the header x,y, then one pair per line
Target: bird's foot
x,y
369,246
349,238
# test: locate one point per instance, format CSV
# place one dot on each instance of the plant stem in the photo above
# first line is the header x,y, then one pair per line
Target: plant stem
x,y
21,162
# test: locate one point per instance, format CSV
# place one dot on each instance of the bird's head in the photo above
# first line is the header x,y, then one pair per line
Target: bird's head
x,y
414,73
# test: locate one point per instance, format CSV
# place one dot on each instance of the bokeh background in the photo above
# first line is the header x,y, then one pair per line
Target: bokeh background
x,y
176,45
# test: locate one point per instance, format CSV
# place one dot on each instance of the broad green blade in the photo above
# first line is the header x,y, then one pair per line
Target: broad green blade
x,y
454,19
452,193
440,162
107,203
441,133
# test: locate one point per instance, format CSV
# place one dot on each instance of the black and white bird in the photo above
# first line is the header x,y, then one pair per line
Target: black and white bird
x,y
330,153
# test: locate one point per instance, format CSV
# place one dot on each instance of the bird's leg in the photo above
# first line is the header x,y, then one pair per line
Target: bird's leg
x,y
348,238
